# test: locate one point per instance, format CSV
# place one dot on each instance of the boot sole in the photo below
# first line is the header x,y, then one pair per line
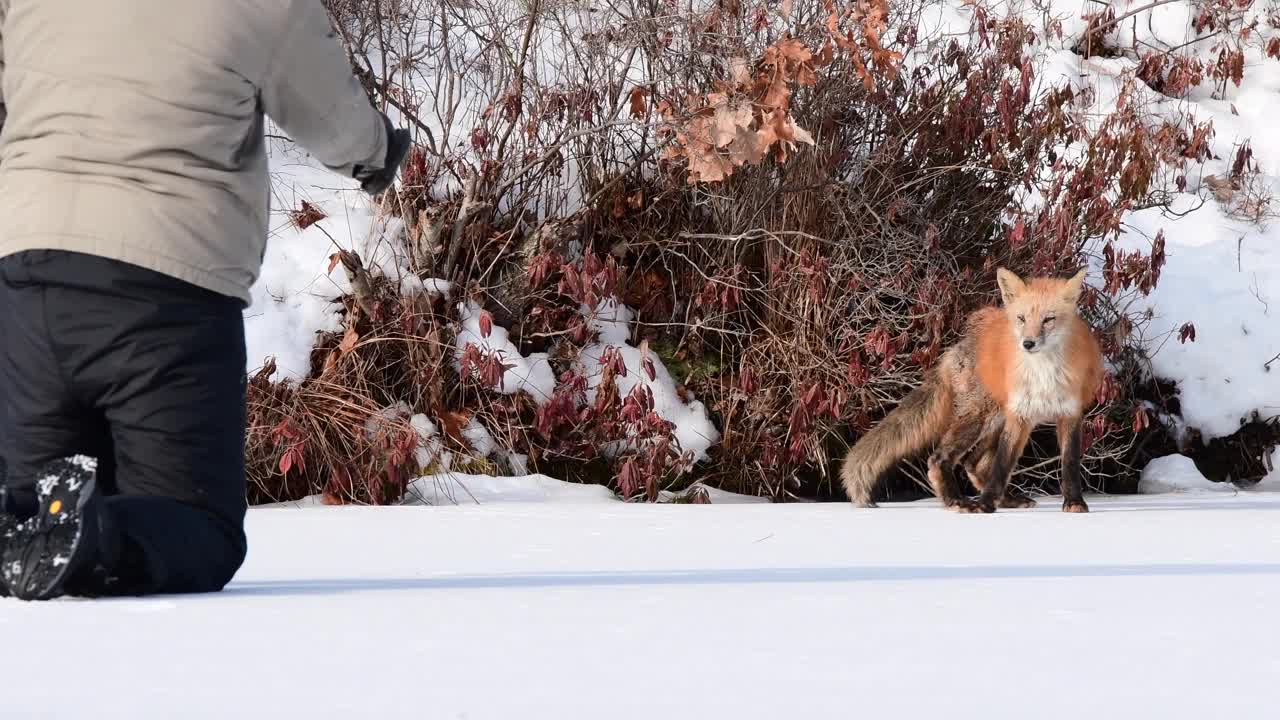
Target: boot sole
x,y
42,554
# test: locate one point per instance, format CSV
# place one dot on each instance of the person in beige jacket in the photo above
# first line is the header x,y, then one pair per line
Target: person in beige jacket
x,y
134,200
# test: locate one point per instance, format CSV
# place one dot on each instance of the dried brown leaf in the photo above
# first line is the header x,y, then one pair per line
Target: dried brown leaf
x,y
727,121
638,105
708,167
750,146
349,340
794,50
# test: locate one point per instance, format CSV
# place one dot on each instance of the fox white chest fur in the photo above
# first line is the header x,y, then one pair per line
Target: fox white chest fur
x,y
1042,389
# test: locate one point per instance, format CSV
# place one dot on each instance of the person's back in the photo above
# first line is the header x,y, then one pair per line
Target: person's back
x,y
134,202
134,126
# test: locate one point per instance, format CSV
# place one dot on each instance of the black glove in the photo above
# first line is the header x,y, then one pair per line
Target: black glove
x,y
376,180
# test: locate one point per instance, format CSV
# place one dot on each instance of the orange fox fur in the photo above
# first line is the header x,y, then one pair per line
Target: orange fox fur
x,y
1031,362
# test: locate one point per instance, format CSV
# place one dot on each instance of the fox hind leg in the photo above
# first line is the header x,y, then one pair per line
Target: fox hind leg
x,y
991,464
956,443
979,465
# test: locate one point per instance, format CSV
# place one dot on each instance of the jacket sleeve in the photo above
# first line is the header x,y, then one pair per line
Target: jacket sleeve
x,y
311,93
4,109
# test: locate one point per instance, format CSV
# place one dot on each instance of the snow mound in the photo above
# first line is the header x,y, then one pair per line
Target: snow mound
x,y
1177,474
693,428
1223,277
461,488
532,374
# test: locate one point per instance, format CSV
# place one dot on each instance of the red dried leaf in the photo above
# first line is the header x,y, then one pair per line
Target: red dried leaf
x,y
1187,332
629,478
306,216
293,457
1140,421
486,323
1017,233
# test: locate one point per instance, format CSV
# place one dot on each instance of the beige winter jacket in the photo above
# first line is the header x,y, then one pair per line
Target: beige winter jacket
x,y
133,129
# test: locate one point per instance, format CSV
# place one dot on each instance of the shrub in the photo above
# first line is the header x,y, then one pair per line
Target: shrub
x,y
800,202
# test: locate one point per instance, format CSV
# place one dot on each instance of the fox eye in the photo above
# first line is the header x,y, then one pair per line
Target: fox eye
x,y
1049,320
1022,318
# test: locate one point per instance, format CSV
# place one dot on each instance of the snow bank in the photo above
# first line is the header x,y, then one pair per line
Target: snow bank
x,y
611,319
455,488
1177,473
293,297
1223,277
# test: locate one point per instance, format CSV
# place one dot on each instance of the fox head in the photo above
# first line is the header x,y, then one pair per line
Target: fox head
x,y
1040,310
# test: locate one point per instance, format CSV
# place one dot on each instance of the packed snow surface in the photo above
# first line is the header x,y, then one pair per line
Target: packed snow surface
x,y
613,610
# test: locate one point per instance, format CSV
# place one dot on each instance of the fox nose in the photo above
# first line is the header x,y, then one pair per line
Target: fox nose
x,y
1028,344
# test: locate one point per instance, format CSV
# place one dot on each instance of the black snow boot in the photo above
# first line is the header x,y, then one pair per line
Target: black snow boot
x,y
15,507
60,542
8,526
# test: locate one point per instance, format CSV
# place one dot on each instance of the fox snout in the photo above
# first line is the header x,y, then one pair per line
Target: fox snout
x,y
1030,345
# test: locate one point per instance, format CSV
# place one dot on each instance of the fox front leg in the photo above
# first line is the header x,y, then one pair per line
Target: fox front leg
x,y
1069,444
978,463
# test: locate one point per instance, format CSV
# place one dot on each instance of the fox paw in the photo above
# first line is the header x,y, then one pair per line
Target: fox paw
x,y
1017,500
974,506
1074,506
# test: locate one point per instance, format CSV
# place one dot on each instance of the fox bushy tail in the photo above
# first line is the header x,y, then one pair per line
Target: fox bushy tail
x,y
916,423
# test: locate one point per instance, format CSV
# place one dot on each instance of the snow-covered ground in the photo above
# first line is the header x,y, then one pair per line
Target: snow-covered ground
x,y
1159,606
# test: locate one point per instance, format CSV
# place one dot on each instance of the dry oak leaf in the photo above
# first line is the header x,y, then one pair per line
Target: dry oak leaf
x,y
637,102
727,121
739,72
1222,190
751,146
708,166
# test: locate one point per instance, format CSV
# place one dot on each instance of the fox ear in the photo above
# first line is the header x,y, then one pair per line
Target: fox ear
x,y
1075,286
1011,286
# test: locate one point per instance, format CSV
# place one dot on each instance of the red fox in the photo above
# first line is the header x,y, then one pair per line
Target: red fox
x,y
1031,362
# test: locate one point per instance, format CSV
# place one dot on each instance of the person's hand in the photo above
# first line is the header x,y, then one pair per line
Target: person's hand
x,y
375,181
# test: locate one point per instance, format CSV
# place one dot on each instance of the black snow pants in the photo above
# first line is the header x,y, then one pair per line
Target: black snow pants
x,y
147,374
